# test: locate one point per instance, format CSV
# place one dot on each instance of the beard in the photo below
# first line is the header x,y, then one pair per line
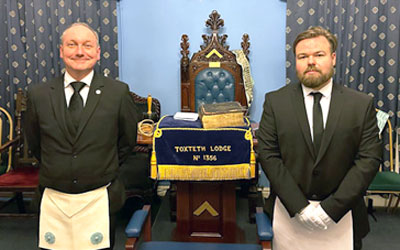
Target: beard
x,y
314,81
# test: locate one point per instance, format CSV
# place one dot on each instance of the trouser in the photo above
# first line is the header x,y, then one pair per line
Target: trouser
x,y
357,244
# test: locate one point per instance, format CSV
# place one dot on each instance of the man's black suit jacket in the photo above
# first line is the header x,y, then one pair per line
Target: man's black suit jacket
x,y
348,160
88,160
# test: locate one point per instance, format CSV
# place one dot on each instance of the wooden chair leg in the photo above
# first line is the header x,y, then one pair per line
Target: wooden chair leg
x,y
254,198
172,202
20,202
266,245
18,198
389,205
370,208
396,204
131,243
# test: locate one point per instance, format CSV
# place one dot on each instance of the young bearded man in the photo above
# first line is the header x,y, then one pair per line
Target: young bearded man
x,y
318,145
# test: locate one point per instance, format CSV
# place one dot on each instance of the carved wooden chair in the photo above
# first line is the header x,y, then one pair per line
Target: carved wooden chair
x,y
213,73
22,174
134,170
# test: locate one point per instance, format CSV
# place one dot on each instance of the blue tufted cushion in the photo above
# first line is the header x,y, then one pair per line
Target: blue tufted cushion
x,y
170,245
135,224
213,85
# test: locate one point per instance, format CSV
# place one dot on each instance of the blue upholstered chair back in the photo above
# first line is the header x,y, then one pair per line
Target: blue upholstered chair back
x,y
214,85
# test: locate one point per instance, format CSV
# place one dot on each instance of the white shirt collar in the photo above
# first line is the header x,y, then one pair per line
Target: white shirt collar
x,y
326,91
87,79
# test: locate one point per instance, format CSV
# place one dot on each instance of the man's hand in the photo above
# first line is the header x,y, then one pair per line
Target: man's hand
x,y
320,212
310,218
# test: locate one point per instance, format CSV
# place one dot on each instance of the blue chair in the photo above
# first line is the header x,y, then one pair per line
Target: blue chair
x,y
138,232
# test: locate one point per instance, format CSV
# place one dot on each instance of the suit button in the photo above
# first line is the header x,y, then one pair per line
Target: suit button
x,y
74,156
315,172
314,196
75,181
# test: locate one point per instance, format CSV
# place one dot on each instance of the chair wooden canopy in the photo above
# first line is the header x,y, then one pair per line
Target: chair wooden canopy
x,y
212,74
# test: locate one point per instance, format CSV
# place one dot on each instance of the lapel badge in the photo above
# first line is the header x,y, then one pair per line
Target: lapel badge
x,y
98,91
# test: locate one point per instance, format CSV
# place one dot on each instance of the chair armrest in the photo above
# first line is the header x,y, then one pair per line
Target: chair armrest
x,y
264,228
8,144
139,224
134,227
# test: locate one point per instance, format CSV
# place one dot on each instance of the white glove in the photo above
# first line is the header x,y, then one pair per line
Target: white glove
x,y
320,212
309,218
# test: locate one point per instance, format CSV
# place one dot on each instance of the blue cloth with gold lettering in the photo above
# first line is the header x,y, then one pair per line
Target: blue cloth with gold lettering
x,y
183,150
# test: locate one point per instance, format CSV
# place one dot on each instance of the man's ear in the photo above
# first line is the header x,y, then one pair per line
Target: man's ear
x,y
98,53
61,52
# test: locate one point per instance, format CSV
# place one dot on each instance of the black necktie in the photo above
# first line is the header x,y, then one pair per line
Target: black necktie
x,y
318,123
76,103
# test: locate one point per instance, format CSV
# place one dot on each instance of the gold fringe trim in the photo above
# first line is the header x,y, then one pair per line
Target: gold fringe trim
x,y
205,172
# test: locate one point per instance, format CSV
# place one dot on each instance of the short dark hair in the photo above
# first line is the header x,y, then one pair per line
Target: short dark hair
x,y
315,32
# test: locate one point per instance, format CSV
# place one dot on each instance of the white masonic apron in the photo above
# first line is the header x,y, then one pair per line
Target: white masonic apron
x,y
74,221
290,234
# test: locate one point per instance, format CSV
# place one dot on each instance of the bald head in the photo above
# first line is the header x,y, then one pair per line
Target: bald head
x,y
83,25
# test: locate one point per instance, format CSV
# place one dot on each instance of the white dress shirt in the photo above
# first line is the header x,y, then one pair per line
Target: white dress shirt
x,y
325,102
69,90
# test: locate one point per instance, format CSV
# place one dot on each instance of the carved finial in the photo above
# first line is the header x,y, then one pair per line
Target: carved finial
x,y
215,22
185,46
206,41
222,41
245,44
185,51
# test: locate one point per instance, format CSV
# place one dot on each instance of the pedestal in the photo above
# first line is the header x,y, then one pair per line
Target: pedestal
x,y
206,212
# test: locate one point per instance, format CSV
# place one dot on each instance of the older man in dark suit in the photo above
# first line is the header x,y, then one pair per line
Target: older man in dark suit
x,y
319,146
75,126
